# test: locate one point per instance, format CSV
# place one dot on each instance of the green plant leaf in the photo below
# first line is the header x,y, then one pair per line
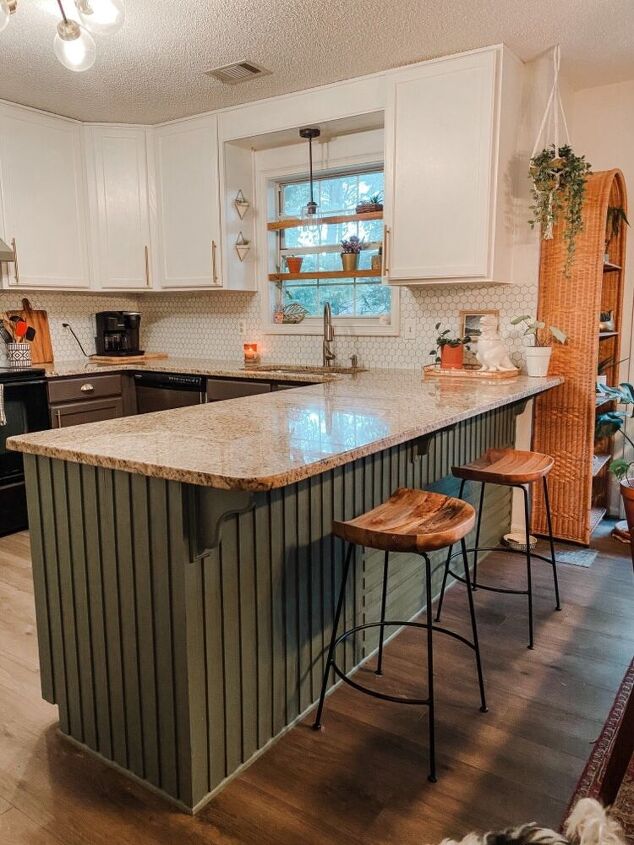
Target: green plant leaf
x,y
517,320
620,468
562,337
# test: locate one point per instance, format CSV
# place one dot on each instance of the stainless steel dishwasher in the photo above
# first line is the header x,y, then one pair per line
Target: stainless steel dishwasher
x,y
162,391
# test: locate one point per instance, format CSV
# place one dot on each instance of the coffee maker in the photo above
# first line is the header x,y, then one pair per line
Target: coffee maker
x,y
118,333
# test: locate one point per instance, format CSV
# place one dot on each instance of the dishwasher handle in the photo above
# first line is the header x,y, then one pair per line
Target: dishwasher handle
x,y
172,381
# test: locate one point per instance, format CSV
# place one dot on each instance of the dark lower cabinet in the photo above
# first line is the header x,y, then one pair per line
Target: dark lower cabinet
x,y
90,410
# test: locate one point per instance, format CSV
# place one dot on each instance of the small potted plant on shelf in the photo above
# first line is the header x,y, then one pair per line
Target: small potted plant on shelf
x,y
350,249
372,203
449,351
538,355
607,425
615,219
294,263
559,186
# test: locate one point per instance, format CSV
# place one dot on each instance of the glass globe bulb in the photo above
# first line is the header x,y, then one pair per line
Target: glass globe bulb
x,y
102,17
74,47
5,14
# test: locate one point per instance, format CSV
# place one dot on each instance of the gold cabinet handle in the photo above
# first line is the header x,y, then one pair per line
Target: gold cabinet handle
x,y
214,270
147,266
16,269
87,388
386,240
58,415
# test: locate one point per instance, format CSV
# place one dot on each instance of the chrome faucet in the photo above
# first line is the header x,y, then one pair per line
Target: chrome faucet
x,y
329,337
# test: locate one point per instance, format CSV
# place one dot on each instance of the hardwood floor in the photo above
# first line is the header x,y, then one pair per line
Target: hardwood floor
x,y
363,778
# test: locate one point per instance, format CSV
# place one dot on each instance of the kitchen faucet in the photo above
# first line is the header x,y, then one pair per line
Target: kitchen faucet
x,y
329,337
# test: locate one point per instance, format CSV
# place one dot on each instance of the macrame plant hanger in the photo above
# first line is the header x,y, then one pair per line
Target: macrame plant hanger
x,y
555,111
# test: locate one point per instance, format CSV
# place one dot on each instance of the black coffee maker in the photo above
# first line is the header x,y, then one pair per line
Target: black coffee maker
x,y
118,333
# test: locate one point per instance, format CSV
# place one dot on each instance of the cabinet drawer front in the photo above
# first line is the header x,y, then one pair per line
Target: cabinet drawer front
x,y
83,389
217,390
86,412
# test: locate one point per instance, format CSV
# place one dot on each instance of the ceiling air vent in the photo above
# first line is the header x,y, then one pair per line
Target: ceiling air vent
x,y
238,72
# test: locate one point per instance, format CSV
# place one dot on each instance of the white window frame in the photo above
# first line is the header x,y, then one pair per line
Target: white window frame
x,y
267,181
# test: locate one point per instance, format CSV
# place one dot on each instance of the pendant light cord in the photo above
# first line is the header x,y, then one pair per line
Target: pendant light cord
x,y
61,8
310,163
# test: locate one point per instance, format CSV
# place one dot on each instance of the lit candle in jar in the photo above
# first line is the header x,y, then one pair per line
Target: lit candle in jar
x,y
251,354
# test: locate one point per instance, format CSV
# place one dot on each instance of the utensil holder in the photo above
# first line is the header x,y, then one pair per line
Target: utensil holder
x,y
19,355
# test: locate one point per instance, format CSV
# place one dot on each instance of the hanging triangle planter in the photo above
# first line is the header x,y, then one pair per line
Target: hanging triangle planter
x,y
242,246
242,205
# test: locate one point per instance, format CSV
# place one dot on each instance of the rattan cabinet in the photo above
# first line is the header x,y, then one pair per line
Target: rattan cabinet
x,y
564,418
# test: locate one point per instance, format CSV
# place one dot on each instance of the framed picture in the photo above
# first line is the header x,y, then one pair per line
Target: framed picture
x,y
470,322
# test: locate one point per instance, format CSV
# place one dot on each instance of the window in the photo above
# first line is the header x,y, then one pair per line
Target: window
x,y
358,297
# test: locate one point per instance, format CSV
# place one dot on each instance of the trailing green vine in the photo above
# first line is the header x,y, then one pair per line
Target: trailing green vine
x,y
558,190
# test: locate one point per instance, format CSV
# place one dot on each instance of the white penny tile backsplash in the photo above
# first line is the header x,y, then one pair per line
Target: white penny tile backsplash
x,y
206,325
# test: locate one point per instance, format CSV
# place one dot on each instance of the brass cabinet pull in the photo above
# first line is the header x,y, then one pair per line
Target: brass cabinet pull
x,y
16,270
214,270
386,240
147,266
87,388
58,414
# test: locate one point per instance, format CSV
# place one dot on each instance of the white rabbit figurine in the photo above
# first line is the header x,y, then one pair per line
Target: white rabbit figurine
x,y
491,352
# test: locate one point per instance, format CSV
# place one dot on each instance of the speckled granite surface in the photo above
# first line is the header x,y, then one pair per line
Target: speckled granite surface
x,y
267,441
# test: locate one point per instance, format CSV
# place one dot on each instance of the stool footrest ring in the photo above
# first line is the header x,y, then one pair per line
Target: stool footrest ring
x,y
480,586
506,550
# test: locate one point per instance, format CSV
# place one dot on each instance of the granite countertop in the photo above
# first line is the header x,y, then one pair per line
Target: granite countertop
x,y
271,440
189,366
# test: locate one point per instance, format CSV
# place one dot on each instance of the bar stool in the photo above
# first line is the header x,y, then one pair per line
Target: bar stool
x,y
512,468
418,522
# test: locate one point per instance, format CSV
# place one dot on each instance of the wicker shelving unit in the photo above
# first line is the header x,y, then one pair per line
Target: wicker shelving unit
x,y
564,418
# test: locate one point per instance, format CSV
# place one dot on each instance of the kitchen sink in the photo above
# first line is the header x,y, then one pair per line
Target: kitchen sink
x,y
298,369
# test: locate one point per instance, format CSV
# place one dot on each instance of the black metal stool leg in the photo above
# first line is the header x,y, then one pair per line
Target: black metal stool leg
x,y
446,572
474,627
477,538
529,578
430,676
335,626
552,543
379,665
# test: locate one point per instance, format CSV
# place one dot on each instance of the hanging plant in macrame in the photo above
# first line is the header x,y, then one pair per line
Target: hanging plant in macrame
x,y
558,177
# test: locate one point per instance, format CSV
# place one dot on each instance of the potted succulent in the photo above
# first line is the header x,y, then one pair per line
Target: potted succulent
x,y
372,203
449,351
538,355
559,184
350,249
608,424
615,219
294,263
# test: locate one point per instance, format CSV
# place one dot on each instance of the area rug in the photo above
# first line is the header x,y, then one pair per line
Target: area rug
x,y
609,773
572,557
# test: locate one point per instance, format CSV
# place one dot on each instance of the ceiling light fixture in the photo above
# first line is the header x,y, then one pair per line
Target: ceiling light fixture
x,y
310,133
73,44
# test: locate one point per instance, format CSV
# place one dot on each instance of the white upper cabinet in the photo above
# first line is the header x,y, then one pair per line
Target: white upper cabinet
x,y
42,199
188,205
117,179
446,166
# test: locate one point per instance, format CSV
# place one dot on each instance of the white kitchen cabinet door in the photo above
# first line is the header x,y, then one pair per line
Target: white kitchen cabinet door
x,y
188,205
440,149
117,178
43,201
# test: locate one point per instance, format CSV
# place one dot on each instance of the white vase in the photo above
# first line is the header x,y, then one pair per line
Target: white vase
x,y
537,360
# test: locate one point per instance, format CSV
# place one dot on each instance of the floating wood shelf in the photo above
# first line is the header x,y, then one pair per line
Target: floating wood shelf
x,y
608,267
598,462
596,515
297,222
324,274
605,335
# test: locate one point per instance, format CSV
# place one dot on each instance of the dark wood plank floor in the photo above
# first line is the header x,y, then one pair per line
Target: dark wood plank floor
x,y
363,779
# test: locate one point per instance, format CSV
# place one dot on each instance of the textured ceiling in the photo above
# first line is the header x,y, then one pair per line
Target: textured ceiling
x,y
153,69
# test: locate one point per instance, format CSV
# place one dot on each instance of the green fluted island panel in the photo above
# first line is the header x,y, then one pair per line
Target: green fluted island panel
x,y
181,628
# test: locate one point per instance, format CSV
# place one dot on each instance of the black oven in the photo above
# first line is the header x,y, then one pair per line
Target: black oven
x,y
24,408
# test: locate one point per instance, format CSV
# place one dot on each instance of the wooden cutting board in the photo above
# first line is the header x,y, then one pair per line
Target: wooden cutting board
x,y
41,347
128,359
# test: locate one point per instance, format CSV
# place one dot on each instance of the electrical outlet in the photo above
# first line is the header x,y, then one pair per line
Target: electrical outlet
x,y
242,327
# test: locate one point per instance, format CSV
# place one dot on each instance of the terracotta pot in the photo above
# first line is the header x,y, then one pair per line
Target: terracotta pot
x,y
627,494
350,260
294,264
451,357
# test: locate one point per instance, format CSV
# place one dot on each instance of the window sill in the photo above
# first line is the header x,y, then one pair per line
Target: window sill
x,y
316,327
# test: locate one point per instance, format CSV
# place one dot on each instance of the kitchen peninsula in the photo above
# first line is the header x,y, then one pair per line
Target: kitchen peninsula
x,y
184,566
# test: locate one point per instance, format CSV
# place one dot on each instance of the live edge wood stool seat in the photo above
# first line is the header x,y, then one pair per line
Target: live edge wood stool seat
x,y
513,468
415,522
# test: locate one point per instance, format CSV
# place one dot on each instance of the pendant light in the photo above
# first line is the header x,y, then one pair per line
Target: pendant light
x,y
73,45
101,17
310,133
